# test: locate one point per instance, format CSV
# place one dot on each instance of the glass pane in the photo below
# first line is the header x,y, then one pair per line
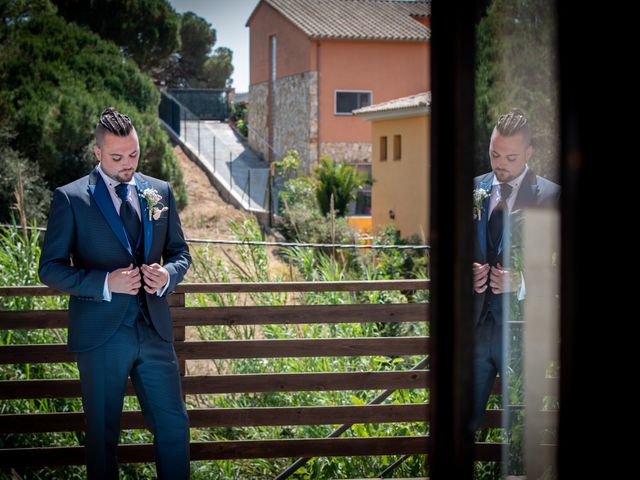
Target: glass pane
x,y
516,220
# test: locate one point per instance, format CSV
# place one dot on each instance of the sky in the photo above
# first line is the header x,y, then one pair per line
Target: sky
x,y
228,17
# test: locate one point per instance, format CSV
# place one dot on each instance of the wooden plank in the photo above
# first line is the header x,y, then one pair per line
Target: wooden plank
x,y
246,449
33,319
229,449
323,347
266,382
303,314
247,315
253,287
229,417
488,452
338,286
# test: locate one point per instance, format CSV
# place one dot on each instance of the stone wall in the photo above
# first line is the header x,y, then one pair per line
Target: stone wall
x,y
258,111
295,121
349,152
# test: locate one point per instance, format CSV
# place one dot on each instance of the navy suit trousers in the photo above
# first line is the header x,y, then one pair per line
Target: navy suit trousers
x,y
487,363
139,352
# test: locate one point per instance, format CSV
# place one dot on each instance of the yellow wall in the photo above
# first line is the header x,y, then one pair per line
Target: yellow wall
x,y
402,185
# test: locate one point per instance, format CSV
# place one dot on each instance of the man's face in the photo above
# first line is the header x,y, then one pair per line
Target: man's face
x,y
509,155
118,156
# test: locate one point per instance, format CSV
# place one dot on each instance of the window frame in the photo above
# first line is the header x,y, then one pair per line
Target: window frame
x,y
349,114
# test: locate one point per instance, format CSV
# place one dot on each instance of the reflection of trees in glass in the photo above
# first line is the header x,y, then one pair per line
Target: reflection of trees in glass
x,y
516,68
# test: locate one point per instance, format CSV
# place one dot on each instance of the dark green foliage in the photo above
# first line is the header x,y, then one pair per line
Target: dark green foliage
x,y
218,69
197,39
55,79
147,30
516,67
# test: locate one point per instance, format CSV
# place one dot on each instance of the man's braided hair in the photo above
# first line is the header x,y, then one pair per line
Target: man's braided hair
x,y
113,122
514,122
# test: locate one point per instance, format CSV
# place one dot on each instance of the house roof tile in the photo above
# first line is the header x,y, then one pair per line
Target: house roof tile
x,y
404,103
357,19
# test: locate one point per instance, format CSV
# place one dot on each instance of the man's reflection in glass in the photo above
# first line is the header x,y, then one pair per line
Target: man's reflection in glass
x,y
499,197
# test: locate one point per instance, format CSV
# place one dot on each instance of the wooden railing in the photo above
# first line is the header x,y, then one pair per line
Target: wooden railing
x,y
245,383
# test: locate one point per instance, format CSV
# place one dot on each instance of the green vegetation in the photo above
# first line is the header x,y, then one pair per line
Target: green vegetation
x,y
339,182
305,202
147,30
56,77
516,67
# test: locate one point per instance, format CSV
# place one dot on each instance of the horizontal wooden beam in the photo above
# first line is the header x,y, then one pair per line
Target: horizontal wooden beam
x,y
228,449
229,417
246,449
245,315
228,349
254,287
248,417
248,383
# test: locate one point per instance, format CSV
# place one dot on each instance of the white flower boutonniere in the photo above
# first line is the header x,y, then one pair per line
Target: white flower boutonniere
x,y
152,197
479,194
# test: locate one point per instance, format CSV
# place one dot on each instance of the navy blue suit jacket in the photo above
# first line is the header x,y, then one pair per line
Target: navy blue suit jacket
x,y
85,240
535,192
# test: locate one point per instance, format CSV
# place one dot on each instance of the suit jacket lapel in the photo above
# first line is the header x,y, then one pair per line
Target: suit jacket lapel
x,y
484,217
100,194
141,185
528,192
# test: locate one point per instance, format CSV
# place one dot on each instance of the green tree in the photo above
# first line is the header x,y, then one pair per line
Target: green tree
x,y
218,69
516,67
55,79
147,30
198,38
338,180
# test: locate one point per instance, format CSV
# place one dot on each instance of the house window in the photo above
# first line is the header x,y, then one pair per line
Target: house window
x,y
383,149
397,147
349,100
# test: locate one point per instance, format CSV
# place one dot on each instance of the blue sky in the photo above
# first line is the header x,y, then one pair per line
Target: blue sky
x,y
228,17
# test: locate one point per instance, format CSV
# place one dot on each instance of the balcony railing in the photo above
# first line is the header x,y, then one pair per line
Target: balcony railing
x,y
243,383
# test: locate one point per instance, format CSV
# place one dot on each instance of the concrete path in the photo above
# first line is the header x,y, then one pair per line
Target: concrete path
x,y
236,167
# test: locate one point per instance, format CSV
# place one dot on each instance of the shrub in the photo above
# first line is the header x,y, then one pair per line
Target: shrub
x,y
56,78
340,180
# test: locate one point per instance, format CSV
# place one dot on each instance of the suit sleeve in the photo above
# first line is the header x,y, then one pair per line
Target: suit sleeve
x,y
176,257
55,269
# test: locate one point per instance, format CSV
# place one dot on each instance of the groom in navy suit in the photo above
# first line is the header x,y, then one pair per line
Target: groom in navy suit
x,y
114,243
501,195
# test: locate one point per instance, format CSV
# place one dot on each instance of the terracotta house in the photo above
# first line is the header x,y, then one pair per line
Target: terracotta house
x,y
312,62
400,163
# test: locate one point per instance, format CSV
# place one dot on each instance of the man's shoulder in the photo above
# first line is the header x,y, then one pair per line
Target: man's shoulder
x,y
484,178
547,188
152,181
79,185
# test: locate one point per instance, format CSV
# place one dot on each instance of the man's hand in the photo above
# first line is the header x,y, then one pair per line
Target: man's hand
x,y
155,277
502,280
125,280
480,277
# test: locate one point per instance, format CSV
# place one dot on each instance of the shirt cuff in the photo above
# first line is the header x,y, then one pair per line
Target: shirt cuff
x,y
106,294
160,292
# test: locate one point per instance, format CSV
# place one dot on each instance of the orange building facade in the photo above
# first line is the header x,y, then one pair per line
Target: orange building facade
x,y
309,68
